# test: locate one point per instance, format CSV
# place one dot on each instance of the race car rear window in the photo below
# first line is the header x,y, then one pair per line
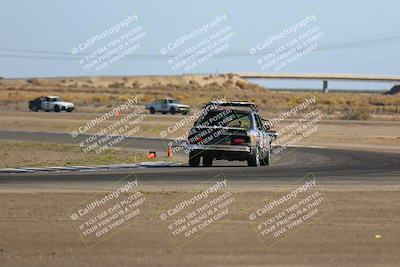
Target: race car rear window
x,y
226,118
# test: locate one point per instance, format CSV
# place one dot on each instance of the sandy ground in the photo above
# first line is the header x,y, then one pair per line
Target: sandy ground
x,y
361,229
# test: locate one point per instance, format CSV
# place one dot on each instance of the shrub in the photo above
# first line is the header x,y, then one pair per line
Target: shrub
x,y
194,83
33,82
116,85
358,113
136,85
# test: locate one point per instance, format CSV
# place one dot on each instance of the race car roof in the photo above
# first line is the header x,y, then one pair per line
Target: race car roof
x,y
250,105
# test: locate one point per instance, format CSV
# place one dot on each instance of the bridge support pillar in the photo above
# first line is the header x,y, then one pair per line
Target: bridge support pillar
x,y
325,87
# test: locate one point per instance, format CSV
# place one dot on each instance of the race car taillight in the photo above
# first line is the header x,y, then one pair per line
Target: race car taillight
x,y
199,139
238,141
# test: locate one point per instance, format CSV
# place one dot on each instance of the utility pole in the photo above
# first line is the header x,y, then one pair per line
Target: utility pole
x,y
325,87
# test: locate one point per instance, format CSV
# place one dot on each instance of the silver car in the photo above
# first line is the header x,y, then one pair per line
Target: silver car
x,y
50,103
168,105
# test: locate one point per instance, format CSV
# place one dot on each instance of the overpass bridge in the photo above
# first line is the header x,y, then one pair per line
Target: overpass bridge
x,y
325,77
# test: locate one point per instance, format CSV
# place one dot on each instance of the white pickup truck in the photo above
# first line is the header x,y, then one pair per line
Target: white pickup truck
x,y
50,103
167,105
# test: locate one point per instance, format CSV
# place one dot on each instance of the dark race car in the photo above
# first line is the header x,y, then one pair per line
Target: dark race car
x,y
230,131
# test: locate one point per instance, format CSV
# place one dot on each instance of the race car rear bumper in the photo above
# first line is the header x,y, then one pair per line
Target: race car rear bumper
x,y
228,148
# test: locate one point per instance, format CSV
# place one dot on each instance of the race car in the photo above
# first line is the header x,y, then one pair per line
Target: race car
x,y
167,105
50,103
230,131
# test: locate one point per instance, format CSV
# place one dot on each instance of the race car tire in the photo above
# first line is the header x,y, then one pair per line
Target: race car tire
x,y
253,159
207,161
267,160
194,159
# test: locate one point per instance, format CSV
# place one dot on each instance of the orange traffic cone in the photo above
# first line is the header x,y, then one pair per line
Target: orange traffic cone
x,y
152,155
169,153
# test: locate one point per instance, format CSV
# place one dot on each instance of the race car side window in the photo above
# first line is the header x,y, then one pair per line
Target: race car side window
x,y
259,123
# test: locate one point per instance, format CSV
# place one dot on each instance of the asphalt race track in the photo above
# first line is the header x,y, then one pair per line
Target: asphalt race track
x,y
328,165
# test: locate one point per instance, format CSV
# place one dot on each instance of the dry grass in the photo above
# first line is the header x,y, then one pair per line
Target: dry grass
x,y
89,93
356,113
35,154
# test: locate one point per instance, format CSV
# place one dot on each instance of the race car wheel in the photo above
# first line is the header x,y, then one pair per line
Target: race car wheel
x,y
152,110
69,109
34,109
207,161
253,159
172,111
194,159
56,108
267,160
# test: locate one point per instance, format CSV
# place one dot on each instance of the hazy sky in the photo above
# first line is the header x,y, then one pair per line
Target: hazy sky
x,y
36,37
